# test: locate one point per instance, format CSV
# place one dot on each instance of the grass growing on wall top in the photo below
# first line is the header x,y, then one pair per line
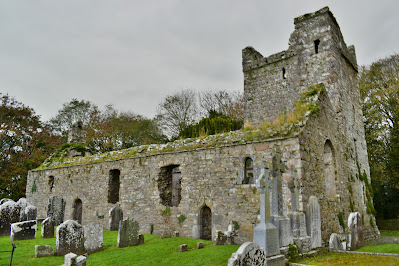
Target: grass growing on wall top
x,y
155,251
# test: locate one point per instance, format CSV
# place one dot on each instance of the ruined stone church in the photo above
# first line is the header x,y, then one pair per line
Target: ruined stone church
x,y
303,122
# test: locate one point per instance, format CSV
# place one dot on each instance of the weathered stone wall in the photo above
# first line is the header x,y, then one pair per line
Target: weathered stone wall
x,y
209,177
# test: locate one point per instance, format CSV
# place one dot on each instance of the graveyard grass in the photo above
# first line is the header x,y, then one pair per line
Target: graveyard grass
x,y
155,251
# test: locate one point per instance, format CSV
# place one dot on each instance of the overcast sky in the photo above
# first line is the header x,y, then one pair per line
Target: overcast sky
x,y
133,53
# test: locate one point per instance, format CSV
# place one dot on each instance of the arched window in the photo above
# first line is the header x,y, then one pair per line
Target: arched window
x,y
77,209
206,223
248,171
329,169
113,185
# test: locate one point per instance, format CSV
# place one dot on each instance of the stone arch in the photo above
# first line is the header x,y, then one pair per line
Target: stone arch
x,y
113,185
205,223
329,168
77,210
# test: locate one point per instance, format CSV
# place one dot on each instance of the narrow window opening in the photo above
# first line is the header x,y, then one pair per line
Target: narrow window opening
x,y
316,46
284,74
206,223
169,185
329,169
248,171
51,182
113,186
77,210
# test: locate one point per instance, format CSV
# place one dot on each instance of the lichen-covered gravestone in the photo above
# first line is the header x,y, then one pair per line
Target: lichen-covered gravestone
x,y
43,251
313,222
56,209
69,238
48,228
22,203
248,253
93,233
115,216
128,234
9,213
30,212
23,230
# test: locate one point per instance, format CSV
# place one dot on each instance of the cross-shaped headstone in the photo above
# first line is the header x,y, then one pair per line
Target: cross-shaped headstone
x,y
278,168
294,187
263,184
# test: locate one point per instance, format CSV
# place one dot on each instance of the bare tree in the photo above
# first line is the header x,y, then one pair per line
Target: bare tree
x,y
177,111
230,104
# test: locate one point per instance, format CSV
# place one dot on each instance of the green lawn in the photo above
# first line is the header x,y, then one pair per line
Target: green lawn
x,y
389,233
155,251
350,259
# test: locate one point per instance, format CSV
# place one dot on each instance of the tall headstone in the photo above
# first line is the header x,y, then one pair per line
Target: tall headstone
x,y
128,234
281,221
298,218
48,228
93,233
22,203
23,230
115,216
9,214
265,233
69,238
313,222
56,209
355,226
30,213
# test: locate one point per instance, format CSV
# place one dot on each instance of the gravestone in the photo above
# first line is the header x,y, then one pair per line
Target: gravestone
x,y
93,233
200,245
298,218
279,219
115,216
335,243
248,253
265,233
56,209
9,214
141,239
355,237
313,222
183,248
22,203
43,251
69,238
128,234
30,212
70,259
48,228
23,230
220,238
4,200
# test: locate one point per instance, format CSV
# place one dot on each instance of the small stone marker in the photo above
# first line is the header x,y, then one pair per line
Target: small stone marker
x,y
166,234
69,238
93,233
48,228
81,261
335,243
115,216
43,251
56,209
200,245
183,248
70,259
248,253
355,231
23,230
265,233
220,238
176,234
313,222
141,239
128,234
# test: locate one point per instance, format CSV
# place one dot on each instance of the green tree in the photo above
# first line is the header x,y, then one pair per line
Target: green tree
x,y
379,90
25,143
